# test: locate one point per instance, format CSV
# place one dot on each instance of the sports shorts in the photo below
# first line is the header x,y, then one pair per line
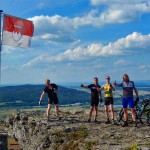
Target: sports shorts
x,y
52,100
94,102
128,101
109,100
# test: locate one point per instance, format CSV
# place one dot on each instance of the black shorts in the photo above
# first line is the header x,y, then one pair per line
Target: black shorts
x,y
109,100
52,100
94,102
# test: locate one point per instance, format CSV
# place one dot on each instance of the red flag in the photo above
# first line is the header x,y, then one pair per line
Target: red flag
x,y
17,31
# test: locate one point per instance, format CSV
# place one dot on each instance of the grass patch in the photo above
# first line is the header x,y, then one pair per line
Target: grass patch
x,y
4,112
69,140
90,144
133,147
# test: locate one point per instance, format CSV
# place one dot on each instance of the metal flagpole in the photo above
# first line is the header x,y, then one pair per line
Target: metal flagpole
x,y
0,44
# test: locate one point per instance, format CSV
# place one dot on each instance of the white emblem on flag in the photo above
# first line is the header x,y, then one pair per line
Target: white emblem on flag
x,y
18,30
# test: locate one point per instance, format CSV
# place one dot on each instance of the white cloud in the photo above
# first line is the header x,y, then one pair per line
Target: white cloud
x,y
121,11
61,29
7,49
4,67
143,66
54,29
41,5
54,25
121,62
135,42
57,29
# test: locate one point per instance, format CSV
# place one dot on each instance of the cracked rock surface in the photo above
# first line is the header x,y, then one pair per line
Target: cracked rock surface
x,y
73,132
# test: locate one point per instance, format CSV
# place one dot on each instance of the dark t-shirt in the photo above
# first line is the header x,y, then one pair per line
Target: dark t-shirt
x,y
51,92
94,92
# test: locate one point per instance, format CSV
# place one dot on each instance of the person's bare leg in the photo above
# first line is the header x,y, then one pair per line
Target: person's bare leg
x,y
125,114
106,112
57,110
112,111
133,114
48,110
96,113
90,113
125,117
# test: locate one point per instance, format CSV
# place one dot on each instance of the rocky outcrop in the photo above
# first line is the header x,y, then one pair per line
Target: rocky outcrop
x,y
3,140
72,132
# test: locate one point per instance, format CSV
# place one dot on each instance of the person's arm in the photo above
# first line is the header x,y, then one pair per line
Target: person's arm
x,y
100,88
41,97
84,86
100,93
112,87
116,84
136,92
137,96
55,88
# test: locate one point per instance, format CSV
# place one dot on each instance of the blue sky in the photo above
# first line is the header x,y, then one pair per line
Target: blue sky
x,y
75,41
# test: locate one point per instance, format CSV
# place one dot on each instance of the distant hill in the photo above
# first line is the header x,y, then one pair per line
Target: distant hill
x,y
28,95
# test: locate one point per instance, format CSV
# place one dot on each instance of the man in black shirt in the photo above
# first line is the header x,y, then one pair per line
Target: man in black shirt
x,y
94,98
51,90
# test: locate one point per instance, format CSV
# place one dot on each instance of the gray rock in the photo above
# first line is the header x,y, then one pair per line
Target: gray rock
x,y
73,132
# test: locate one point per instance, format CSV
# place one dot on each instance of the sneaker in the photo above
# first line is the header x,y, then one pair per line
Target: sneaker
x,y
107,122
89,120
125,124
135,123
95,120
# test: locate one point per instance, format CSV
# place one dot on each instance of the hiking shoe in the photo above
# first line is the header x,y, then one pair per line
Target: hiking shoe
x,y
113,121
95,120
89,120
48,119
107,122
125,124
135,123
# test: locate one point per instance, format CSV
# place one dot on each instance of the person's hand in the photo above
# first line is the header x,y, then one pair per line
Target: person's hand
x,y
137,99
39,103
135,103
110,89
114,82
54,89
81,85
101,100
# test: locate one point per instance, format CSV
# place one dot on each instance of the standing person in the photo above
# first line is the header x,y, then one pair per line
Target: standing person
x,y
94,98
128,87
51,90
108,88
